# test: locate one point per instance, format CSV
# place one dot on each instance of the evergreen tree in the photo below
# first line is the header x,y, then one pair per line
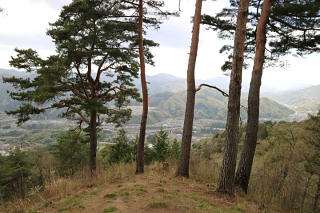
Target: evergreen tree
x,y
15,172
144,116
245,164
71,151
227,173
161,146
174,151
183,165
288,25
92,73
121,151
143,8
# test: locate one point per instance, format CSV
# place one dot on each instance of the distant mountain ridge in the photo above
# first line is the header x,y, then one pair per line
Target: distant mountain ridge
x,y
210,104
169,83
307,99
167,98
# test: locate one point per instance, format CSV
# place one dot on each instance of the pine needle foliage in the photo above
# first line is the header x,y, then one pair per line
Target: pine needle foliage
x,y
90,78
293,28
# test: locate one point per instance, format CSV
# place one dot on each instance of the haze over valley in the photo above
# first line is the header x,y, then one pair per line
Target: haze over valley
x,y
167,107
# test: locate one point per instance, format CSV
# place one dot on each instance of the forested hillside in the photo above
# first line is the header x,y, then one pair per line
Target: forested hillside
x,y
6,103
307,99
210,104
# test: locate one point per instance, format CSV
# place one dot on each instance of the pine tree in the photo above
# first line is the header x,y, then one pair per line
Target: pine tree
x,y
161,146
291,25
227,173
15,173
183,166
243,172
71,151
144,116
91,75
122,150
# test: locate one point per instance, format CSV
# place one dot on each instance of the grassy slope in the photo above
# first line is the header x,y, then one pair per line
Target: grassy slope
x,y
152,193
155,191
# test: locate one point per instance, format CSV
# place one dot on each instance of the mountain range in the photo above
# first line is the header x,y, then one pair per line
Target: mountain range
x,y
167,99
307,99
165,82
210,104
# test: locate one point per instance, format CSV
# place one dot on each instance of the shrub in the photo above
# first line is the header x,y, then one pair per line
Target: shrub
x,y
161,146
15,173
71,152
122,150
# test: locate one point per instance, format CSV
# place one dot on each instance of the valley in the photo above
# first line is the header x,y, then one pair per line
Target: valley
x,y
167,103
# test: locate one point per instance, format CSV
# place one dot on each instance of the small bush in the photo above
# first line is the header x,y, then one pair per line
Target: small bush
x,y
71,151
158,204
15,174
110,209
123,150
112,195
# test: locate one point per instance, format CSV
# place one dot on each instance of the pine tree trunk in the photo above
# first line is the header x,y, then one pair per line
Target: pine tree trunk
x,y
316,198
144,116
183,166
226,179
93,141
249,147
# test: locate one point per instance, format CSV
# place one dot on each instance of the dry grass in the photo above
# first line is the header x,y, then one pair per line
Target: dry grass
x,y
61,187
203,170
119,189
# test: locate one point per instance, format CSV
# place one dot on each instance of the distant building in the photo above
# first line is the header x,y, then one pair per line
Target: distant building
x,y
4,153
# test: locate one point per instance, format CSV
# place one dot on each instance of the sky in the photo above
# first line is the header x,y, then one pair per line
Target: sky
x,y
24,24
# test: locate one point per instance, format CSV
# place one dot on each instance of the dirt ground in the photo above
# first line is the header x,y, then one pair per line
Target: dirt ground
x,y
150,193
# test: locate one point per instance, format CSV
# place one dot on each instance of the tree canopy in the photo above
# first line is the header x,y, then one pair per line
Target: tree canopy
x,y
91,75
293,28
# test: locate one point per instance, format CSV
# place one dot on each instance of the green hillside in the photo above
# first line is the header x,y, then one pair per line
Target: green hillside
x,y
210,104
6,102
307,99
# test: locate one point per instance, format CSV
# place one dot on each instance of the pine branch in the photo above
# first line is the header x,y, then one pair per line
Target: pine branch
x,y
82,81
216,88
104,95
213,87
101,70
78,112
292,26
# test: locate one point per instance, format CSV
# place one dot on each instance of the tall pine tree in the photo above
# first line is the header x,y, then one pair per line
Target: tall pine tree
x,y
292,27
227,173
91,75
183,165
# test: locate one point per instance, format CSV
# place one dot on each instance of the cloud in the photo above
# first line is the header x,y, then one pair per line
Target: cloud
x,y
24,24
55,4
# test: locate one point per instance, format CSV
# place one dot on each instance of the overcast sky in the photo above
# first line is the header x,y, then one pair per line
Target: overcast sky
x,y
24,24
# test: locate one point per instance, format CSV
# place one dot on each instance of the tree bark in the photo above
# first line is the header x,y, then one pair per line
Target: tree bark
x,y
93,141
249,147
144,116
183,166
316,198
226,179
